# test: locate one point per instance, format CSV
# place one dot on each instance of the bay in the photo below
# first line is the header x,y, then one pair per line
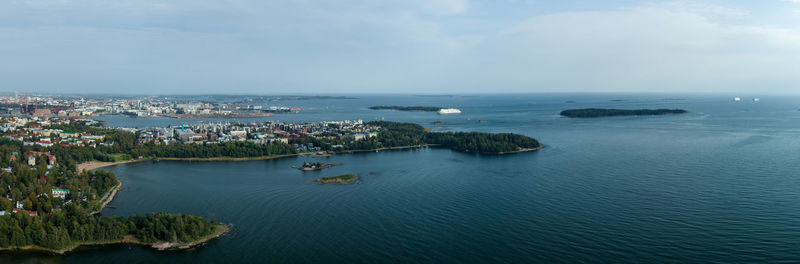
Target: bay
x,y
716,185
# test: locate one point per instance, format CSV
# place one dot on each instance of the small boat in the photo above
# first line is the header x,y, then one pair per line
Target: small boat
x,y
756,99
737,99
321,154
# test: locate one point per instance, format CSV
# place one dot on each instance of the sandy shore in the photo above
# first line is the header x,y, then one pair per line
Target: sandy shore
x,y
91,165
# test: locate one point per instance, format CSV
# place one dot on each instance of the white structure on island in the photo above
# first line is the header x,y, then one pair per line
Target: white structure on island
x,y
445,111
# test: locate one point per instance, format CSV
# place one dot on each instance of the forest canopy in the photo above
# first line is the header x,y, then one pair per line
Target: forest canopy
x,y
396,134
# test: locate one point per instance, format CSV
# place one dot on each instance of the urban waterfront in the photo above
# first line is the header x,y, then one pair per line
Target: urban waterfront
x,y
713,185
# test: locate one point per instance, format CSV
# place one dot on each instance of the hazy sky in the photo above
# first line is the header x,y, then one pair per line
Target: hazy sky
x,y
407,46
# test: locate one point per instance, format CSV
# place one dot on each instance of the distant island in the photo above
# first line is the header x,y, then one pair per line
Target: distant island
x,y
407,108
342,179
599,112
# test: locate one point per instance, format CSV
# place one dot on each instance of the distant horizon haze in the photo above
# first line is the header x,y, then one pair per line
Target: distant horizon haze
x,y
744,95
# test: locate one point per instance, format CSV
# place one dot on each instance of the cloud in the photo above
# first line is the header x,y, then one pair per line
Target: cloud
x,y
700,8
643,49
443,46
445,6
251,46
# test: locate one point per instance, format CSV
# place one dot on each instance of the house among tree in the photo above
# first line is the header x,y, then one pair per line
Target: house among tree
x,y
31,213
60,193
68,135
51,159
44,143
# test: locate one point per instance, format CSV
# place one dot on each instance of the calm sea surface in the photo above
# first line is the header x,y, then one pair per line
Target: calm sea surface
x,y
720,184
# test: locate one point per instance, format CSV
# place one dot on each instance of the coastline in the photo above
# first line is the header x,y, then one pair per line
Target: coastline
x,y
280,156
234,159
220,230
128,239
101,164
521,150
387,148
108,197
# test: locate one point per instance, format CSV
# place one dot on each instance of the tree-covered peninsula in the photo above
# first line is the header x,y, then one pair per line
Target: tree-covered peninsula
x,y
396,134
388,135
407,108
47,204
70,226
600,112
124,146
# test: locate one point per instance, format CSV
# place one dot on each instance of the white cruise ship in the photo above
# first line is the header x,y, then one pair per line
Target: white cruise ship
x,y
445,111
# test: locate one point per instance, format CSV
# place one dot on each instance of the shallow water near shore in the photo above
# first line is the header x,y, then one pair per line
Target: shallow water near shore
x,y
719,184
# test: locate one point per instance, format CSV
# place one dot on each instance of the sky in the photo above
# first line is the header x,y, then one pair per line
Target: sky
x,y
406,46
